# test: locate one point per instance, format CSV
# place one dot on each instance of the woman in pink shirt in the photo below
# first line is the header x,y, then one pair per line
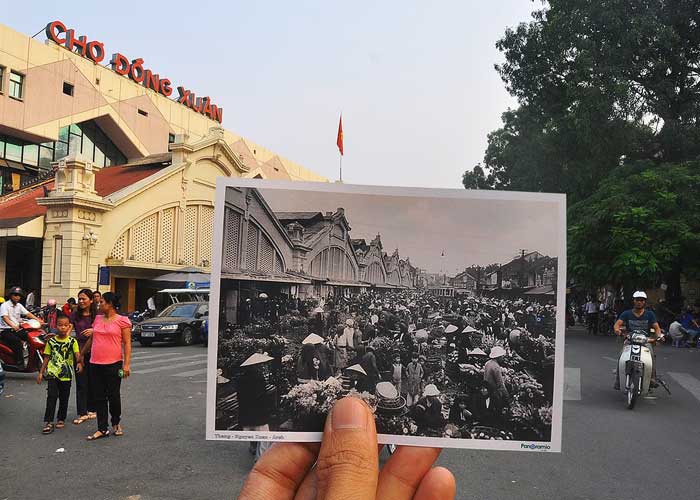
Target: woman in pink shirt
x,y
110,353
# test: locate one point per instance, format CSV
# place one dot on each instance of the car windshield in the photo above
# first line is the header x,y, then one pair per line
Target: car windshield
x,y
180,311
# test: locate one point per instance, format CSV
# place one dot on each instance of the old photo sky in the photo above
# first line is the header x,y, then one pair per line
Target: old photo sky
x,y
468,231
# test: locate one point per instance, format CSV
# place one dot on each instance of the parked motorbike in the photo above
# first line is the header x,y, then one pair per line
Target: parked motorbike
x,y
139,316
32,349
635,367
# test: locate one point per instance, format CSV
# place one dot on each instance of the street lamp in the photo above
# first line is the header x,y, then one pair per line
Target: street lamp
x,y
90,238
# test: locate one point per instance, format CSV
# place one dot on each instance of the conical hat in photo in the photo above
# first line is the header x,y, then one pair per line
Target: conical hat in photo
x,y
350,322
422,334
451,329
470,329
431,390
497,352
318,310
220,379
387,390
256,359
313,339
477,352
357,368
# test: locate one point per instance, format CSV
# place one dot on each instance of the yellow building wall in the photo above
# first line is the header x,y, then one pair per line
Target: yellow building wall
x,y
39,61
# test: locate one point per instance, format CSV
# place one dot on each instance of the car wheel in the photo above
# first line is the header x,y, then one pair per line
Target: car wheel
x,y
186,337
146,343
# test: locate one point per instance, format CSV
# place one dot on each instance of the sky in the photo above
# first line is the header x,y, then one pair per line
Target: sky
x,y
414,80
468,231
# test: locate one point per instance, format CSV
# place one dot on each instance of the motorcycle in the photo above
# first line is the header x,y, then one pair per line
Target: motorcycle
x,y
635,367
32,349
139,316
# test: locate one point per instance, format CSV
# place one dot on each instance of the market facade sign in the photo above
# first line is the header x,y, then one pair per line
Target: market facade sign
x,y
134,70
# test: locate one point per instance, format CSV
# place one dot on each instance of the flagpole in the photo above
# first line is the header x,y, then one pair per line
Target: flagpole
x,y
339,143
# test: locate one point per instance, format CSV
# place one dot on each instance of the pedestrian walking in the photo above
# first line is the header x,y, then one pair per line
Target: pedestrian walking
x,y
397,373
82,320
414,380
61,354
592,315
110,355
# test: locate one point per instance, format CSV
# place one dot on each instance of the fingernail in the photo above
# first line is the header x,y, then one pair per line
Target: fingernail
x,y
349,413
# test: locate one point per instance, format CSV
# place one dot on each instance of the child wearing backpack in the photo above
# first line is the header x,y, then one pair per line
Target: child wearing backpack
x,y
60,354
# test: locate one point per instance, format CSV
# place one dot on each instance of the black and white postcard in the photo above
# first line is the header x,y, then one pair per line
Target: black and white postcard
x,y
442,309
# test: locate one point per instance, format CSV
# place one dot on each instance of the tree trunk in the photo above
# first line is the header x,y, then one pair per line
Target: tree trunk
x,y
674,296
627,290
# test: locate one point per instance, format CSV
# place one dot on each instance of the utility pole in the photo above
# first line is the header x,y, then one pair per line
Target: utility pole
x,y
522,279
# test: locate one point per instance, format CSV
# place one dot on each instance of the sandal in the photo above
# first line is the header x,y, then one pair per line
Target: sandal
x,y
60,424
81,419
98,435
91,415
48,428
118,431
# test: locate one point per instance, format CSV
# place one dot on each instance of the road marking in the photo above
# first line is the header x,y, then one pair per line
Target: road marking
x,y
168,360
687,382
170,367
610,359
572,384
153,356
191,373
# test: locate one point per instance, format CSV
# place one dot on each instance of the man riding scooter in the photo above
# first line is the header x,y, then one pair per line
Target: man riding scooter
x,y
11,313
638,318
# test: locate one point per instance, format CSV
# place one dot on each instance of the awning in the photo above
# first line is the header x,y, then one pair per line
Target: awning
x,y
267,277
387,285
347,283
22,227
541,290
12,164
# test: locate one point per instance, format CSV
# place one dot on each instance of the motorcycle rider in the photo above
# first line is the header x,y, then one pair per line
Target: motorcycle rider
x,y
639,318
11,313
50,315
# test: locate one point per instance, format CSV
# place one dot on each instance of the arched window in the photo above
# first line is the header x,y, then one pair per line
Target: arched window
x,y
374,273
261,254
333,263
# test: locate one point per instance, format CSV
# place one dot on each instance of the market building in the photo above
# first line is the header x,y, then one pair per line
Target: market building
x,y
108,171
298,255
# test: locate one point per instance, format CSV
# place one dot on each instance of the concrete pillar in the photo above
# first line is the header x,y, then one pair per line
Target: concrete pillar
x,y
72,239
3,265
130,296
231,305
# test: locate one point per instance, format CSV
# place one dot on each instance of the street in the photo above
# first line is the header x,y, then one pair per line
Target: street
x,y
609,452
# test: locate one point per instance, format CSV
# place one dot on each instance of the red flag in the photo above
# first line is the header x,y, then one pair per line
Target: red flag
x,y
339,141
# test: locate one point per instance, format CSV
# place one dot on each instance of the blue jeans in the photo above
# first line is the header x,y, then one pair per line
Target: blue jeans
x,y
692,333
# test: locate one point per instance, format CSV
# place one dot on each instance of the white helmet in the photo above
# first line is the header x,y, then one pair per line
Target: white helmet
x,y
639,295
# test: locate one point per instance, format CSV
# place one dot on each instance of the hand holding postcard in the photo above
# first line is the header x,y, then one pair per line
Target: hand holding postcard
x,y
442,309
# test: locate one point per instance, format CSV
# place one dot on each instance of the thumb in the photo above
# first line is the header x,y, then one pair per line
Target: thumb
x,y
347,466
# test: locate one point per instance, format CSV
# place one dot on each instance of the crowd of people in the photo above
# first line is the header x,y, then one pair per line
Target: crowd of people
x,y
88,343
430,365
599,317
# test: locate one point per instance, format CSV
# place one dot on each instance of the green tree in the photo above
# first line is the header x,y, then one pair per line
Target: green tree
x,y
609,96
597,82
639,229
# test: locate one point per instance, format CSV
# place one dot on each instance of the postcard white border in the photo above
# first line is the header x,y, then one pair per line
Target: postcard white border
x,y
554,445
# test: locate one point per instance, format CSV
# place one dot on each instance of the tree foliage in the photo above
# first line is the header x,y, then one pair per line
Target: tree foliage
x,y
609,113
596,81
638,226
